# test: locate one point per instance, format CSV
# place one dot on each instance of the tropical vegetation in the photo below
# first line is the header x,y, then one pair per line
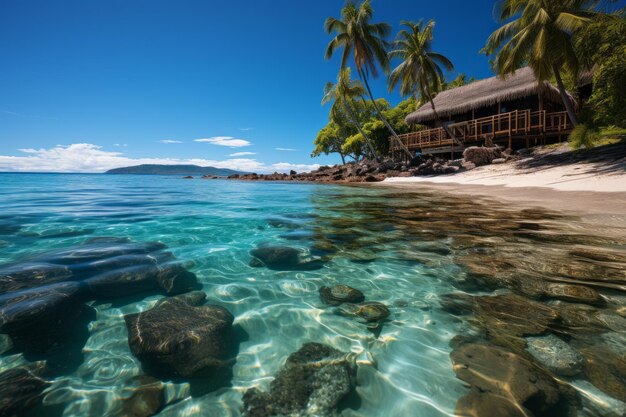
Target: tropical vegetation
x,y
366,42
561,40
419,73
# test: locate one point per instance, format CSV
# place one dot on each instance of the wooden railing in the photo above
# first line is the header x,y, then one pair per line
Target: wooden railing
x,y
518,123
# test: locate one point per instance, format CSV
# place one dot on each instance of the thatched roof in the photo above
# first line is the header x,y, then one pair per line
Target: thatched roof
x,y
485,93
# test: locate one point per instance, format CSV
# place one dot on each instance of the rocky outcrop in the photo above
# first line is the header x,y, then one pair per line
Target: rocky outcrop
x,y
375,171
363,171
479,155
182,337
311,383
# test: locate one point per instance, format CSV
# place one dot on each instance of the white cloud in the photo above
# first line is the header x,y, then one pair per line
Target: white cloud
x,y
285,149
169,141
225,141
246,129
87,157
286,166
242,153
120,145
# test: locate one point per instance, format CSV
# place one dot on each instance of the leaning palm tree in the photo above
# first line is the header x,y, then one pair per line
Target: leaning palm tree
x,y
420,71
342,95
540,35
366,43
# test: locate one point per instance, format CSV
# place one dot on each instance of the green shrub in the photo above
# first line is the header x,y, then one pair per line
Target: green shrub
x,y
587,137
583,137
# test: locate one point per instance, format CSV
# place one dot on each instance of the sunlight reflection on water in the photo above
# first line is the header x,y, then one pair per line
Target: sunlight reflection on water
x,y
396,249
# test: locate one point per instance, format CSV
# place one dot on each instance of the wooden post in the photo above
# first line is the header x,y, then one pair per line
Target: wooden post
x,y
499,112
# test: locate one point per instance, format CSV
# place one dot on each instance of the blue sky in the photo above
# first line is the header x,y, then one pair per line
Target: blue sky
x,y
91,84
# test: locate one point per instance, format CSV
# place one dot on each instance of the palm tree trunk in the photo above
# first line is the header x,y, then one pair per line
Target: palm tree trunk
x,y
566,101
380,114
355,122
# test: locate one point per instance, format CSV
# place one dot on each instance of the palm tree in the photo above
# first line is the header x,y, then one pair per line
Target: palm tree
x,y
366,43
342,95
420,71
541,36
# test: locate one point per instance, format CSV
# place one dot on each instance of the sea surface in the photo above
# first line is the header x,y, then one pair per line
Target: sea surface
x,y
408,250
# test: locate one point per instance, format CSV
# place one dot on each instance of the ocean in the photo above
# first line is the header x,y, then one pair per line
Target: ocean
x,y
436,261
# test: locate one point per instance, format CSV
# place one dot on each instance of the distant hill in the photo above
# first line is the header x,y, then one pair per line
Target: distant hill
x,y
173,170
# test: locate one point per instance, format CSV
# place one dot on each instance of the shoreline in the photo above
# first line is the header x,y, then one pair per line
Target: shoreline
x,y
574,201
584,177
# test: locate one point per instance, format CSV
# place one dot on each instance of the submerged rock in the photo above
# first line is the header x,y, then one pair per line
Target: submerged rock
x,y
114,266
171,279
42,300
21,390
182,337
311,383
573,293
282,258
606,370
479,404
276,256
373,314
556,355
495,371
581,318
339,294
31,275
368,312
515,315
147,397
37,318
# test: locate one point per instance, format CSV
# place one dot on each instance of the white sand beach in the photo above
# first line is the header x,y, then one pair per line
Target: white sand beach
x,y
581,176
589,186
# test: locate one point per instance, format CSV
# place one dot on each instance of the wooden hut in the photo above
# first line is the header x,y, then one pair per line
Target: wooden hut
x,y
515,111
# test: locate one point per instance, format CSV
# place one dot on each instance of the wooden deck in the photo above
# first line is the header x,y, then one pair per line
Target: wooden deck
x,y
518,124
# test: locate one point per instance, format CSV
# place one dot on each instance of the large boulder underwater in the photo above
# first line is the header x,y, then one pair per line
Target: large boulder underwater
x,y
182,337
504,384
312,382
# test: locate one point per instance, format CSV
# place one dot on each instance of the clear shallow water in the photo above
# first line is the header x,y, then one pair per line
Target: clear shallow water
x,y
404,250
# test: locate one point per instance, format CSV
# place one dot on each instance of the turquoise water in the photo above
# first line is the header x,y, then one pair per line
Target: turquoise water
x,y
383,242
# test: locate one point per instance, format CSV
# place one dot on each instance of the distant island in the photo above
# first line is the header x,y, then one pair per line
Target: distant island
x,y
154,169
